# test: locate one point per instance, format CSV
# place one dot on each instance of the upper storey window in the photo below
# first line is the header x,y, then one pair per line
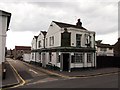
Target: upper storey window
x,y
65,39
78,40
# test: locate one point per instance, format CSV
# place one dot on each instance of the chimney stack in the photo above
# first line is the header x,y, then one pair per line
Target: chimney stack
x,y
79,23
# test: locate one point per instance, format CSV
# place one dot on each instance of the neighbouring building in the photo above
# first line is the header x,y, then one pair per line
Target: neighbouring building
x,y
4,25
65,46
20,50
104,49
9,53
34,47
117,48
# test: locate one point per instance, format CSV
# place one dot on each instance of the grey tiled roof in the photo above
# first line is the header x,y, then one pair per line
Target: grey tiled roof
x,y
65,25
105,45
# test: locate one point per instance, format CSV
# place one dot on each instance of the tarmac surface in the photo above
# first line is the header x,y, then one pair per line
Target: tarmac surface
x,y
38,77
10,77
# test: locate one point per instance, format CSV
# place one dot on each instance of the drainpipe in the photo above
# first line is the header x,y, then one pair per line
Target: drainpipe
x,y
95,51
44,34
69,62
36,47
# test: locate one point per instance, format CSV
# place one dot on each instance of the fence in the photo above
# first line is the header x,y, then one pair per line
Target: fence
x,y
108,61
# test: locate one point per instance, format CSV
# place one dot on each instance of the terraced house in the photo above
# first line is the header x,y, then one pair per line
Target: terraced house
x,y
65,46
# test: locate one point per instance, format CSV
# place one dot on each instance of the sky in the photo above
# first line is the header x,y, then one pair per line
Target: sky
x,y
29,17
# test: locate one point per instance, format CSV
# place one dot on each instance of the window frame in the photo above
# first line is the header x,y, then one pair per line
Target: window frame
x,y
78,58
78,40
39,43
89,57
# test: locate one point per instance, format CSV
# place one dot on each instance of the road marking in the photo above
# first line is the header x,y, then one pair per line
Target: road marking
x,y
22,82
43,81
33,71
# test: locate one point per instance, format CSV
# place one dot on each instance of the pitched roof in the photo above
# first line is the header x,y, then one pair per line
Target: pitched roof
x,y
117,48
65,25
23,47
105,46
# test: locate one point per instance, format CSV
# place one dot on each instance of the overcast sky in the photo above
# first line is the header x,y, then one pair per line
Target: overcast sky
x,y
30,17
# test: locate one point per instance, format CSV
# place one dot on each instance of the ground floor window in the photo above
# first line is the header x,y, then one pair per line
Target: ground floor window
x,y
40,56
50,56
89,57
73,59
58,59
77,58
32,55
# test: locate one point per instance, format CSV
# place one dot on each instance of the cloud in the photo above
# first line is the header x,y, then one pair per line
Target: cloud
x,y
33,16
39,15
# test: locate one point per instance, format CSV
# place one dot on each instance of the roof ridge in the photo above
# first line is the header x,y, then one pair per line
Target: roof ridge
x,y
61,24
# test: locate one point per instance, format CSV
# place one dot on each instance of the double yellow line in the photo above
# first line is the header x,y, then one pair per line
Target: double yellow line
x,y
21,81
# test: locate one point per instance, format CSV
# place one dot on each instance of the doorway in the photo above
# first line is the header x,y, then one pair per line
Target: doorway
x,y
65,62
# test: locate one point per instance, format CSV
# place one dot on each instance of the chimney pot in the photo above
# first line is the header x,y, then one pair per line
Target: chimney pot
x,y
79,23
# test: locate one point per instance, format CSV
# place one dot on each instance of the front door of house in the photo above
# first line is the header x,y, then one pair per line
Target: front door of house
x,y
65,62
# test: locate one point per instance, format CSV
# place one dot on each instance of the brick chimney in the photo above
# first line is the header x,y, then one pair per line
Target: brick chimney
x,y
79,23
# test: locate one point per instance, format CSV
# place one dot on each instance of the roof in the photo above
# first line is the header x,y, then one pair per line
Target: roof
x,y
23,47
117,48
4,13
105,46
65,25
65,49
36,37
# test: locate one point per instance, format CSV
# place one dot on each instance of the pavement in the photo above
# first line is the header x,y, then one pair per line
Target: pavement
x,y
0,75
88,72
80,72
10,79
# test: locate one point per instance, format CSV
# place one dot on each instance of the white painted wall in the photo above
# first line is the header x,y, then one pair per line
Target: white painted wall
x,y
54,60
40,38
33,43
108,52
55,31
32,57
3,28
26,57
83,38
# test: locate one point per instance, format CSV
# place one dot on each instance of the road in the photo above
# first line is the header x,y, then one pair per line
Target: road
x,y
110,81
30,74
34,78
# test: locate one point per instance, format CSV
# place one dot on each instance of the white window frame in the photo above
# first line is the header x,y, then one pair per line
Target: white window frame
x,y
79,57
78,40
89,57
39,43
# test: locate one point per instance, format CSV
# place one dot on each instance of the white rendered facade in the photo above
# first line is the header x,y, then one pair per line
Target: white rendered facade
x,y
78,54
105,51
4,24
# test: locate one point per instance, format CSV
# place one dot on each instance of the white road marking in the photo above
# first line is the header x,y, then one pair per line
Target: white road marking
x,y
33,71
43,81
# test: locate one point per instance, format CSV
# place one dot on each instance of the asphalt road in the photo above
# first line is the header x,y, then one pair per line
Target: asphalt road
x,y
36,79
109,81
31,75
